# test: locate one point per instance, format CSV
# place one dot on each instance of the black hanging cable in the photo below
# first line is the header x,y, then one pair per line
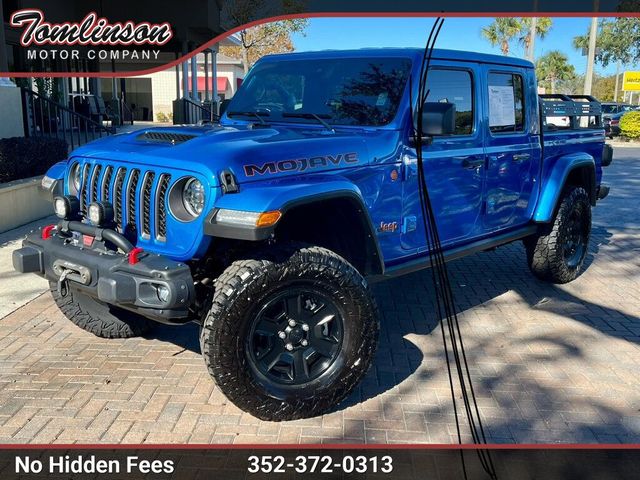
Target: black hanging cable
x,y
444,295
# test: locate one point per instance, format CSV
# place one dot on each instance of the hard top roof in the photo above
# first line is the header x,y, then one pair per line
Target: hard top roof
x,y
415,53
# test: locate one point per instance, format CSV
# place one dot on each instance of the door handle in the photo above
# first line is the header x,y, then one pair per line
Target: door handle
x,y
521,157
471,162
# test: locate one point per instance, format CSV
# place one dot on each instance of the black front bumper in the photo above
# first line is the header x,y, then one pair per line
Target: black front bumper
x,y
110,277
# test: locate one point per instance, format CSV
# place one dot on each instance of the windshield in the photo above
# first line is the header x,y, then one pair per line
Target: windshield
x,y
344,91
609,108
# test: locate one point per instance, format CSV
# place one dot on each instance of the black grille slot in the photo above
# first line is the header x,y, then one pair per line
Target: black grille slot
x,y
165,137
106,184
146,204
117,194
95,177
161,207
131,198
84,188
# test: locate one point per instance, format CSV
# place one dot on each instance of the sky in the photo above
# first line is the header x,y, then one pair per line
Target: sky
x,y
457,34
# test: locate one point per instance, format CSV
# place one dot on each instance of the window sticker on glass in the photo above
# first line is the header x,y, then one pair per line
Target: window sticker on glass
x,y
382,99
502,110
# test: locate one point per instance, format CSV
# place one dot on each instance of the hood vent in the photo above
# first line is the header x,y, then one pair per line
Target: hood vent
x,y
164,137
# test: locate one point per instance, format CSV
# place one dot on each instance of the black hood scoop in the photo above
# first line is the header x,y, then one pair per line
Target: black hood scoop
x,y
171,138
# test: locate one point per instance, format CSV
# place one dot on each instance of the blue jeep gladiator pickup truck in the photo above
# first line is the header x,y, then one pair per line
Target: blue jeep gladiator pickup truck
x,y
265,228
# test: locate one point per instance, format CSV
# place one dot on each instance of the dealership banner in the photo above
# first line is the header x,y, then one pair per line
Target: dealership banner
x,y
99,39
408,462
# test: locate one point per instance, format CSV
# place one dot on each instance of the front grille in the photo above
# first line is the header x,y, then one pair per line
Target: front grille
x,y
139,198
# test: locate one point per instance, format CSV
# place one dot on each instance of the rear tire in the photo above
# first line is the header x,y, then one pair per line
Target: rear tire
x,y
557,253
99,318
290,332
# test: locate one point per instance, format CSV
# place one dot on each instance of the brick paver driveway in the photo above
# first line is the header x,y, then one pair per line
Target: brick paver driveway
x,y
550,363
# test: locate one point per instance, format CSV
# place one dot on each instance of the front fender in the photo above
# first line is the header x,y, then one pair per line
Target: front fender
x,y
554,180
277,195
53,181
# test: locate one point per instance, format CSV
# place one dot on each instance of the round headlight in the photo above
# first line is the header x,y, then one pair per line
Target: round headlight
x,y
75,178
193,197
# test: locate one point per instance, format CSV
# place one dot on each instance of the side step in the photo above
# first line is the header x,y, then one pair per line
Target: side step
x,y
423,262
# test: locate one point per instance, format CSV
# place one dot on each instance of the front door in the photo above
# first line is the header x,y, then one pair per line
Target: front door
x,y
512,147
454,166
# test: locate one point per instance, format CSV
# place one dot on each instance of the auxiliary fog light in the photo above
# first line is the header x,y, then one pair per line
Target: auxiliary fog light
x,y
67,207
162,292
100,214
243,218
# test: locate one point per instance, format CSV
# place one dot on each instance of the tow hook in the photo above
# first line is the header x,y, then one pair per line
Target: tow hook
x,y
63,284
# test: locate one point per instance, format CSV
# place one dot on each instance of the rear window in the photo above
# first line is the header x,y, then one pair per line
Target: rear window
x,y
506,103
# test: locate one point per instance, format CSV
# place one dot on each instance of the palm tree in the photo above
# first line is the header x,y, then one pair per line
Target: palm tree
x,y
553,67
502,32
543,25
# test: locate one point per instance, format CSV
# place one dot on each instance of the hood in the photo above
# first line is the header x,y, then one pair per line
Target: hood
x,y
251,153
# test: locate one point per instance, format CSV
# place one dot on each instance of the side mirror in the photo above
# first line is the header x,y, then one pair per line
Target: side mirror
x,y
438,118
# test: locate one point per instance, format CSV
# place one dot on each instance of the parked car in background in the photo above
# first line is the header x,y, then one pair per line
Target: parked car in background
x,y
611,109
612,123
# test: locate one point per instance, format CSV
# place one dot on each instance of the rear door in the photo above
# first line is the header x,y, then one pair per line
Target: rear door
x,y
512,146
454,164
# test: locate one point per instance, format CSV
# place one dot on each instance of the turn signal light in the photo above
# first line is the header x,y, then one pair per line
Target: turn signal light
x,y
267,219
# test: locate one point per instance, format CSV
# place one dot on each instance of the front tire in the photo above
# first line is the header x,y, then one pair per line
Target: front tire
x,y
99,318
290,332
557,254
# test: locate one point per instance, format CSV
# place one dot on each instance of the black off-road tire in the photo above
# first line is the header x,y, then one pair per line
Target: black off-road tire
x,y
549,252
245,289
99,318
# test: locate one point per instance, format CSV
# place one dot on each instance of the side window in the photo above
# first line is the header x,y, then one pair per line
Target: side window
x,y
453,86
506,103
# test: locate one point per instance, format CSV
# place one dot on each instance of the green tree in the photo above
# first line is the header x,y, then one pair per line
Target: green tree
x,y
261,40
505,30
552,68
502,31
543,25
618,41
604,88
266,38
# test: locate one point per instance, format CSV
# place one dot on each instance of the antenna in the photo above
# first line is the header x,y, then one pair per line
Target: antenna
x,y
447,312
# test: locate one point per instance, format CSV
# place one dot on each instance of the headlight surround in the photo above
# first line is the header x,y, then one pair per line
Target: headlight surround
x,y
193,197
75,179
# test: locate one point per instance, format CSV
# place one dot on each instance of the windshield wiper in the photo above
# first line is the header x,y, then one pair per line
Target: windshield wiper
x,y
258,115
318,117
